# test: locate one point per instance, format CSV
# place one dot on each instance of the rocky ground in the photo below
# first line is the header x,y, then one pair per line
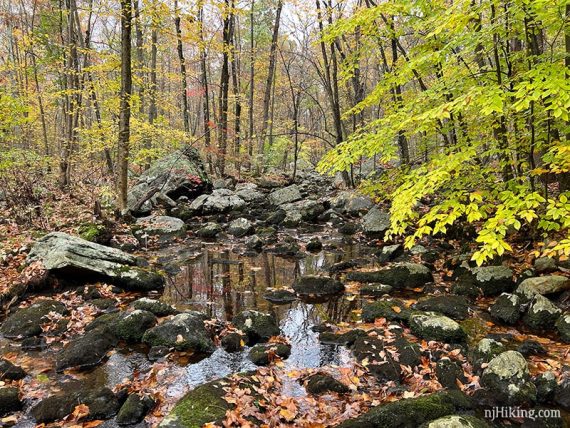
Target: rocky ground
x,y
93,337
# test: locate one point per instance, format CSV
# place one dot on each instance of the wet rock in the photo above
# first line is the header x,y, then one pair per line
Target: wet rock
x,y
218,202
249,192
448,372
347,339
485,351
179,174
105,305
34,344
162,227
375,223
66,255
184,332
107,320
201,405
398,276
545,265
348,229
134,409
412,412
312,285
88,292
307,210
276,217
54,407
390,253
545,384
9,371
27,322
263,354
158,308
314,245
378,361
562,394
240,227
102,403
9,400
254,243
232,342
375,290
87,350
543,285
507,377
391,309
434,326
280,297
457,421
563,327
321,383
131,326
158,352
209,231
258,327
488,280
456,307
506,309
542,313
285,195
531,347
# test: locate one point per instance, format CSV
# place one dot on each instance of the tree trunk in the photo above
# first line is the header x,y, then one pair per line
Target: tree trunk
x,y
224,90
237,99
184,93
206,98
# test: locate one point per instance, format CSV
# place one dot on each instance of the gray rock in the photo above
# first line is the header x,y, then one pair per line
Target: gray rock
x,y
158,308
317,286
389,253
178,174
254,243
488,280
376,223
285,195
54,407
63,254
184,332
134,409
9,371
402,275
456,307
209,231
542,313
358,205
320,383
27,322
220,201
87,350
543,285
545,386
132,325
485,351
448,372
9,400
163,227
563,327
391,309
280,297
507,377
250,193
545,265
507,308
258,327
240,227
434,326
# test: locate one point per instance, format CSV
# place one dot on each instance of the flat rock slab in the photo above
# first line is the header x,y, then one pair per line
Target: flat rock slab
x,y
67,255
285,195
543,285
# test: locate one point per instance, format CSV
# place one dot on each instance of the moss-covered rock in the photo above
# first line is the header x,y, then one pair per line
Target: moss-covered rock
x,y
134,409
27,322
391,309
448,372
9,371
506,309
507,378
375,290
132,325
456,307
184,332
9,400
262,354
321,383
201,405
486,280
233,342
412,412
398,276
87,350
434,326
209,230
485,351
94,232
347,339
257,326
542,314
312,285
545,384
563,327
280,297
158,308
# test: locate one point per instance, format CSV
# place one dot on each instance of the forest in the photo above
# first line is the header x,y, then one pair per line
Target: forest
x,y
285,213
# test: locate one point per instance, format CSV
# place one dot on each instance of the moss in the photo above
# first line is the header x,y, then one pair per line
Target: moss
x,y
385,309
91,231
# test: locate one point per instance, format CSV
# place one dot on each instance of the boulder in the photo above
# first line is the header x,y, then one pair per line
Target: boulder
x,y
184,332
563,327
389,253
391,309
209,230
448,372
346,339
456,307
541,314
220,201
506,309
457,421
87,350
543,285
263,354
158,308
487,280
375,223
9,400
285,195
546,385
485,351
249,192
162,227
232,342
402,275
313,285
27,322
102,403
562,393
258,326
132,325
180,173
9,371
531,347
54,407
66,255
240,227
545,265
321,383
305,210
508,379
434,326
134,409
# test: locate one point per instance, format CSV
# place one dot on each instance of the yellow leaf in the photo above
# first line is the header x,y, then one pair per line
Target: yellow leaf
x,y
287,414
396,309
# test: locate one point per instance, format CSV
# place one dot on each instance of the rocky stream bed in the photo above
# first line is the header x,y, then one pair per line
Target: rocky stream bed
x,y
279,304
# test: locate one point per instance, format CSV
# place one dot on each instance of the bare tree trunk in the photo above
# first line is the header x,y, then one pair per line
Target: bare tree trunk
x,y
251,82
237,98
184,93
224,90
125,105
206,98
